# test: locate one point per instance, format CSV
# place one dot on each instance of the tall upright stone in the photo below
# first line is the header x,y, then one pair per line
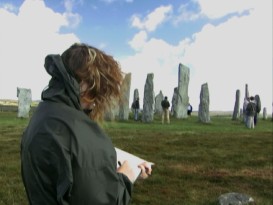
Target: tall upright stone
x,y
148,100
136,95
236,111
264,113
24,102
241,113
246,91
203,111
113,111
174,100
124,102
182,100
158,98
258,103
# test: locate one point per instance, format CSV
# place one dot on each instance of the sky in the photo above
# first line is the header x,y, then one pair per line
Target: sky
x,y
224,43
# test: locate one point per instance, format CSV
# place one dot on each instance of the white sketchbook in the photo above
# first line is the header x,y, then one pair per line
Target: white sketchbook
x,y
133,160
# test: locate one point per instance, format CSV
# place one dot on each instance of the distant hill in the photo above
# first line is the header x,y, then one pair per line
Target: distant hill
x,y
10,102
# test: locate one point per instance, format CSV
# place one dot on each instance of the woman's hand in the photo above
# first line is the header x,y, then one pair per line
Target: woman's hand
x,y
146,170
127,170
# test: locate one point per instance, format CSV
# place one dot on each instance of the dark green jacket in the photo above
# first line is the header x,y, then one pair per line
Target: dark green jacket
x,y
65,157
251,109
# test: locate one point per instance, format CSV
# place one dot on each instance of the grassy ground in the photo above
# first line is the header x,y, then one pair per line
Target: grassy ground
x,y
195,162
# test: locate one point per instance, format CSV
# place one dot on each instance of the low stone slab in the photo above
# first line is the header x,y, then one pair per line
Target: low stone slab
x,y
235,199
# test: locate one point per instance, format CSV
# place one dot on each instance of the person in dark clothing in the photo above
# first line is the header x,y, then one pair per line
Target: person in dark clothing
x,y
136,109
250,113
66,158
258,108
189,109
165,104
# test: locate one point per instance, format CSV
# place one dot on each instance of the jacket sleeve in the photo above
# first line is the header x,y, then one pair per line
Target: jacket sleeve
x,y
51,164
124,190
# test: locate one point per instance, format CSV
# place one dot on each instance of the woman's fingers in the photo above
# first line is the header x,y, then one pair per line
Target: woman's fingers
x,y
146,170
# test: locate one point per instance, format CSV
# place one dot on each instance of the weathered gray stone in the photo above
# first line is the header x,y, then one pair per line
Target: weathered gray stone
x,y
174,100
158,98
182,100
113,111
136,95
264,113
258,103
203,111
246,91
148,100
24,102
241,113
124,103
235,199
236,113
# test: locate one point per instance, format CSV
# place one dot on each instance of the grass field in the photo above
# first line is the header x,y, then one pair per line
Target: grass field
x,y
195,162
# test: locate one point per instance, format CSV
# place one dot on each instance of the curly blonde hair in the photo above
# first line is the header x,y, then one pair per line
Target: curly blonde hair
x,y
99,72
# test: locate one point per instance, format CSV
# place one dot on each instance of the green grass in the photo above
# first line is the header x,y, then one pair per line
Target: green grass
x,y
194,163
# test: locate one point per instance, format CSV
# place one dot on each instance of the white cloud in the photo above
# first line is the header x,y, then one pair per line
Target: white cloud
x,y
74,19
138,40
156,57
186,14
8,7
217,9
227,56
233,54
153,19
25,40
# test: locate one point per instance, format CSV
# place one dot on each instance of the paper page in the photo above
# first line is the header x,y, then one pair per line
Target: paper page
x,y
133,160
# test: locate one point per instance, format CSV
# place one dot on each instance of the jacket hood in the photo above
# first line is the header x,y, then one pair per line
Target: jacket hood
x,y
63,87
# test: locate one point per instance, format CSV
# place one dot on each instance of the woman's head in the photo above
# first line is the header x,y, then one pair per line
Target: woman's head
x,y
98,74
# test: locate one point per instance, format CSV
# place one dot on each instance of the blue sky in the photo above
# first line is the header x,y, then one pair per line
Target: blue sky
x,y
225,43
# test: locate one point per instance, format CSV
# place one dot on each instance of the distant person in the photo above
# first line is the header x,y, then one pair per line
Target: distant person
x,y
66,158
165,104
136,109
258,108
246,101
189,109
250,113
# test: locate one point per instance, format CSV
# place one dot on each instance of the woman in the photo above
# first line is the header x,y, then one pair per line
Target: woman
x,y
66,158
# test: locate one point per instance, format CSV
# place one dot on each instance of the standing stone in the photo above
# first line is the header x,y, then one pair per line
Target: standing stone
x,y
124,102
246,91
113,111
136,95
148,100
236,113
203,111
258,104
158,98
24,102
241,113
174,100
182,100
264,113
